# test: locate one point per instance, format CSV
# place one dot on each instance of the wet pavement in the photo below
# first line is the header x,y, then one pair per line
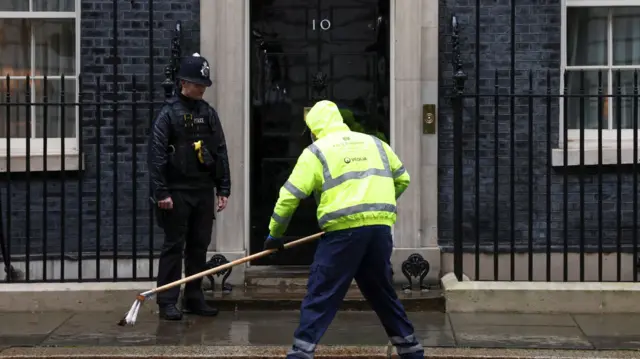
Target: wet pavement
x,y
350,328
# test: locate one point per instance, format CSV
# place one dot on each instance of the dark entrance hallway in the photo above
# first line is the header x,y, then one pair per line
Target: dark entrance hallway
x,y
303,51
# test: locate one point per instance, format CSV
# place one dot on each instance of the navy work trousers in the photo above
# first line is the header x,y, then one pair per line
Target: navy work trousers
x,y
363,253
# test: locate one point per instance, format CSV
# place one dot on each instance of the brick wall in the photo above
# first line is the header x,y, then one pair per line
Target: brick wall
x,y
537,49
97,60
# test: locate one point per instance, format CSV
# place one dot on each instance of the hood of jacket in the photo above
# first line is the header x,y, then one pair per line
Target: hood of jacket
x,y
325,118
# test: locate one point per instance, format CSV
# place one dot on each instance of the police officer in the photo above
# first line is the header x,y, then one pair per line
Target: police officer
x,y
358,179
188,163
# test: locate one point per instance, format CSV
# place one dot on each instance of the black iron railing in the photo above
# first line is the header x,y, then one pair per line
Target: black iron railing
x,y
75,203
545,174
74,199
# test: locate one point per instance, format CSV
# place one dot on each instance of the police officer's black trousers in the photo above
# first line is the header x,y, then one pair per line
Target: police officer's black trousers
x,y
187,229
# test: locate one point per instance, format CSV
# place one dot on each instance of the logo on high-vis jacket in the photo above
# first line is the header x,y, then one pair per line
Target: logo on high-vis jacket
x,y
354,159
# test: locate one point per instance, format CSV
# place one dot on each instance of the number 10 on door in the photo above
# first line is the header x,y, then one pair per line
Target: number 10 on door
x,y
325,24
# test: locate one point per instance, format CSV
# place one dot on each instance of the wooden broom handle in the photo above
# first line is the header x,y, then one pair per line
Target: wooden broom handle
x,y
233,264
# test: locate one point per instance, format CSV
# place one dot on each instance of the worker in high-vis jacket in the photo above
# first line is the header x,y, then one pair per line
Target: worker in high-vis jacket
x,y
356,179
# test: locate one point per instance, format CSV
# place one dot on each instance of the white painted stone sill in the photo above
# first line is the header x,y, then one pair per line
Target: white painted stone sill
x,y
18,162
609,154
451,283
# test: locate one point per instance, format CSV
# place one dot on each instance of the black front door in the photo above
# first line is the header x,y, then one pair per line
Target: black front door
x,y
303,51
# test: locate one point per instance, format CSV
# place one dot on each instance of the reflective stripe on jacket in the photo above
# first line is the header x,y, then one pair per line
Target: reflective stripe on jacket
x,y
357,177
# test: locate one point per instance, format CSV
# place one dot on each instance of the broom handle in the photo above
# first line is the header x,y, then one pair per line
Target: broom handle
x,y
232,264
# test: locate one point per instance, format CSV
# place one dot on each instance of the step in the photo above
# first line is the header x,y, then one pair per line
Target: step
x,y
290,298
277,276
284,287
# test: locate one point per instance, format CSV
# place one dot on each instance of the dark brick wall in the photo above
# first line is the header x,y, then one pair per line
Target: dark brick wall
x,y
537,49
97,64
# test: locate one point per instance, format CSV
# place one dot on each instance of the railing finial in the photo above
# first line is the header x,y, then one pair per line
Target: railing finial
x,y
459,76
170,84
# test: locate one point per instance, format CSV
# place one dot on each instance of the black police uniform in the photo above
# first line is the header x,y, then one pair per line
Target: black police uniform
x,y
190,180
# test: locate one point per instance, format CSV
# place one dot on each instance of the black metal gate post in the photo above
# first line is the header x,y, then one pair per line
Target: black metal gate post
x,y
12,274
459,78
171,85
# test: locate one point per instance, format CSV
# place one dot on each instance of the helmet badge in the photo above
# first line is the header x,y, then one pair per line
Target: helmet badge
x,y
205,69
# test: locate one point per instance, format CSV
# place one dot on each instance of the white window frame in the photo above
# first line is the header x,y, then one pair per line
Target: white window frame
x,y
609,137
18,152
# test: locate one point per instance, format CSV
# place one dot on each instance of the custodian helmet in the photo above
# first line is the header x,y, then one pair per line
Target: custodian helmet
x,y
195,68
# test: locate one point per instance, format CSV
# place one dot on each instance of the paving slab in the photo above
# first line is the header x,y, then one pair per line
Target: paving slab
x,y
31,323
100,328
555,320
511,336
21,340
514,330
432,339
611,331
609,324
615,343
430,321
237,329
29,328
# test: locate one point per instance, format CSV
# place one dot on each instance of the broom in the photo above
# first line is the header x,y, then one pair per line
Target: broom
x,y
131,316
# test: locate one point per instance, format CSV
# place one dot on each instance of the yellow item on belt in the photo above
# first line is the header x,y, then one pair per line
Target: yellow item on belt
x,y
198,147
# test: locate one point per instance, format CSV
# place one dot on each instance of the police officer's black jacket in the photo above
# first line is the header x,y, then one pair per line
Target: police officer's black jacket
x,y
173,161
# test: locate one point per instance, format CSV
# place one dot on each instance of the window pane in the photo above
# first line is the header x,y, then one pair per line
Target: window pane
x,y
54,109
590,109
18,114
53,5
14,5
586,36
626,104
15,55
55,46
626,36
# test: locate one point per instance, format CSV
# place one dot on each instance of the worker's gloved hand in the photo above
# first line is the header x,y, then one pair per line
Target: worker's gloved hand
x,y
204,156
274,243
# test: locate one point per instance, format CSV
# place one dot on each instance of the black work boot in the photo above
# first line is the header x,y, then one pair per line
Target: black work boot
x,y
198,307
169,312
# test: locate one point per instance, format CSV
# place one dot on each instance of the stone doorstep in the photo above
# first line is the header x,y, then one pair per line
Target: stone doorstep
x,y
119,296
291,299
294,277
468,296
268,352
275,276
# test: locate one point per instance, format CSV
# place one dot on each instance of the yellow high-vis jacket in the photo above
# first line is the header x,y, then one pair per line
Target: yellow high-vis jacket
x,y
355,177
